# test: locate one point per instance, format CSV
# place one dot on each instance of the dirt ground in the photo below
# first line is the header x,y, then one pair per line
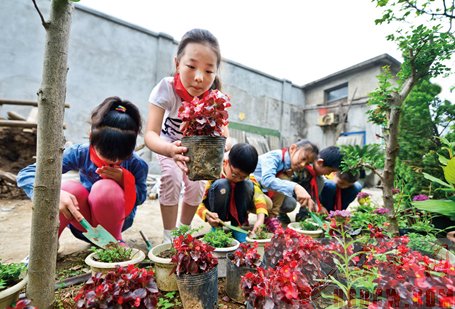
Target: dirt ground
x,y
15,229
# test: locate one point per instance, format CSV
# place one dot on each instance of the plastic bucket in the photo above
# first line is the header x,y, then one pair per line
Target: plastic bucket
x,y
233,278
199,291
206,156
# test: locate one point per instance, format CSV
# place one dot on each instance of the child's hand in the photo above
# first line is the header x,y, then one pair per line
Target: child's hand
x,y
111,172
67,201
303,197
176,153
324,210
259,222
212,218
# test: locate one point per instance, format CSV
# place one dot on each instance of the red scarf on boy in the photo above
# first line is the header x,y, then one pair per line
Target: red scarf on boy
x,y
129,182
314,185
338,204
181,90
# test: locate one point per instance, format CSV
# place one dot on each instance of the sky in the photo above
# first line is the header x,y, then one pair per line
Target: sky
x,y
297,40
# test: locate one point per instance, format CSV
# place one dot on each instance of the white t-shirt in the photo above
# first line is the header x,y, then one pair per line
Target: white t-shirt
x,y
163,95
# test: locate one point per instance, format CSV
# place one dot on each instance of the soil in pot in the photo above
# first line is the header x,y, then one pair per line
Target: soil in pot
x,y
206,156
137,256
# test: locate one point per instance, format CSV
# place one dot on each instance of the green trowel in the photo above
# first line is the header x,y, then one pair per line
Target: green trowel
x,y
97,235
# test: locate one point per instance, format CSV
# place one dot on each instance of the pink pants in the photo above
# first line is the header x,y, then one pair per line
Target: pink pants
x,y
103,205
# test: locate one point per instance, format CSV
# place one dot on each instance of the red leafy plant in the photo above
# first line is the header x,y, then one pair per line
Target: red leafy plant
x,y
192,256
125,287
246,256
22,304
205,116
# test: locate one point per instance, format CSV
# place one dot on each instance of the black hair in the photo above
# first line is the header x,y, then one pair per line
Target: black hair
x,y
349,176
205,37
244,157
307,145
115,124
332,157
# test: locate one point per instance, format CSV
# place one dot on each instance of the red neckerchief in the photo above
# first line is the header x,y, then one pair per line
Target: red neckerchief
x,y
182,92
232,206
314,185
338,204
129,182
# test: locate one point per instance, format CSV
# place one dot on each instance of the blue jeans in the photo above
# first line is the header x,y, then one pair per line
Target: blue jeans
x,y
328,193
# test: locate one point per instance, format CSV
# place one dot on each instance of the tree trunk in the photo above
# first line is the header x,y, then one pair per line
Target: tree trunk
x,y
392,148
51,99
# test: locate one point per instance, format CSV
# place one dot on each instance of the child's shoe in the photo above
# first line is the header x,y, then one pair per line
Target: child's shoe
x,y
284,218
302,214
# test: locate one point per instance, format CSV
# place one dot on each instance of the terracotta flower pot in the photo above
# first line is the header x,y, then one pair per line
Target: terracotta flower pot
x,y
166,279
206,156
314,234
137,256
11,294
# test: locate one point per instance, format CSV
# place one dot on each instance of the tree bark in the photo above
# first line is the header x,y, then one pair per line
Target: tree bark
x,y
392,148
51,101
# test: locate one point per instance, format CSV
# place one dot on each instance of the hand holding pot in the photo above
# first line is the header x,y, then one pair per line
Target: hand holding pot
x,y
177,153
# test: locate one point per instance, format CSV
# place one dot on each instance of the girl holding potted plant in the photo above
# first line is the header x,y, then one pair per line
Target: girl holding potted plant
x,y
197,62
236,193
112,176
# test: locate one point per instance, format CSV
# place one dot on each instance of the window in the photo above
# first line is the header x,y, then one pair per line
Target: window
x,y
337,93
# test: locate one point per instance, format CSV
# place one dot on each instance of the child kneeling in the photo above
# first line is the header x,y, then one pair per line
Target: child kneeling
x,y
237,193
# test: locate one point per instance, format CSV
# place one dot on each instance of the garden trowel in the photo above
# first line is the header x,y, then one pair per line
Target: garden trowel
x,y
97,235
234,228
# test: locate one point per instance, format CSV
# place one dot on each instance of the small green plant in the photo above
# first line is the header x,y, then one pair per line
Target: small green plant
x,y
218,238
10,274
426,244
184,230
169,300
308,225
112,253
262,233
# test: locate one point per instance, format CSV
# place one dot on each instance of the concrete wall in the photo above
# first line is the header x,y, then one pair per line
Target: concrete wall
x,y
110,57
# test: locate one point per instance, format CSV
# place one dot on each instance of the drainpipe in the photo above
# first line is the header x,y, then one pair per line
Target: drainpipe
x,y
285,99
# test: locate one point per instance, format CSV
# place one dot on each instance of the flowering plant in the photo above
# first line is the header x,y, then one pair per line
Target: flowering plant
x,y
192,256
205,116
246,256
125,287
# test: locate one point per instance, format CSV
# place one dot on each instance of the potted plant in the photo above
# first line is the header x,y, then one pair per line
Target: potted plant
x,y
12,280
203,122
161,256
196,270
224,243
245,259
106,259
123,287
307,227
262,237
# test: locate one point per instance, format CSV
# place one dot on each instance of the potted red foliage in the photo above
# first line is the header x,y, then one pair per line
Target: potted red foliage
x,y
245,259
125,287
203,122
196,269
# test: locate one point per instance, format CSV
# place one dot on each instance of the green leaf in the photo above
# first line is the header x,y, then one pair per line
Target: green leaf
x,y
443,207
437,180
449,171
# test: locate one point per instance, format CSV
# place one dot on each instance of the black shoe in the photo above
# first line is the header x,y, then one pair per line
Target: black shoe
x,y
302,214
284,218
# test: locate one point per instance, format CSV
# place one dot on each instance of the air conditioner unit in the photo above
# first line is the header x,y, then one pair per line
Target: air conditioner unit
x,y
327,119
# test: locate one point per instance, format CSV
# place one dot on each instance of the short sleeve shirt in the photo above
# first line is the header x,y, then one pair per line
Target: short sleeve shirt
x,y
163,95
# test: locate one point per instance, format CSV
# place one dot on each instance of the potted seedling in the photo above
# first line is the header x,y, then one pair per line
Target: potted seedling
x,y
123,287
311,226
261,237
202,126
245,259
106,259
196,270
161,256
12,280
224,243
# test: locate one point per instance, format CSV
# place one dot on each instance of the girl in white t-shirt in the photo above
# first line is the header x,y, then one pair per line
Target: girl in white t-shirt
x,y
197,64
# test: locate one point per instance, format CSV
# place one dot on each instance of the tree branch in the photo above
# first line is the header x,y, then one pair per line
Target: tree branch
x,y
43,22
